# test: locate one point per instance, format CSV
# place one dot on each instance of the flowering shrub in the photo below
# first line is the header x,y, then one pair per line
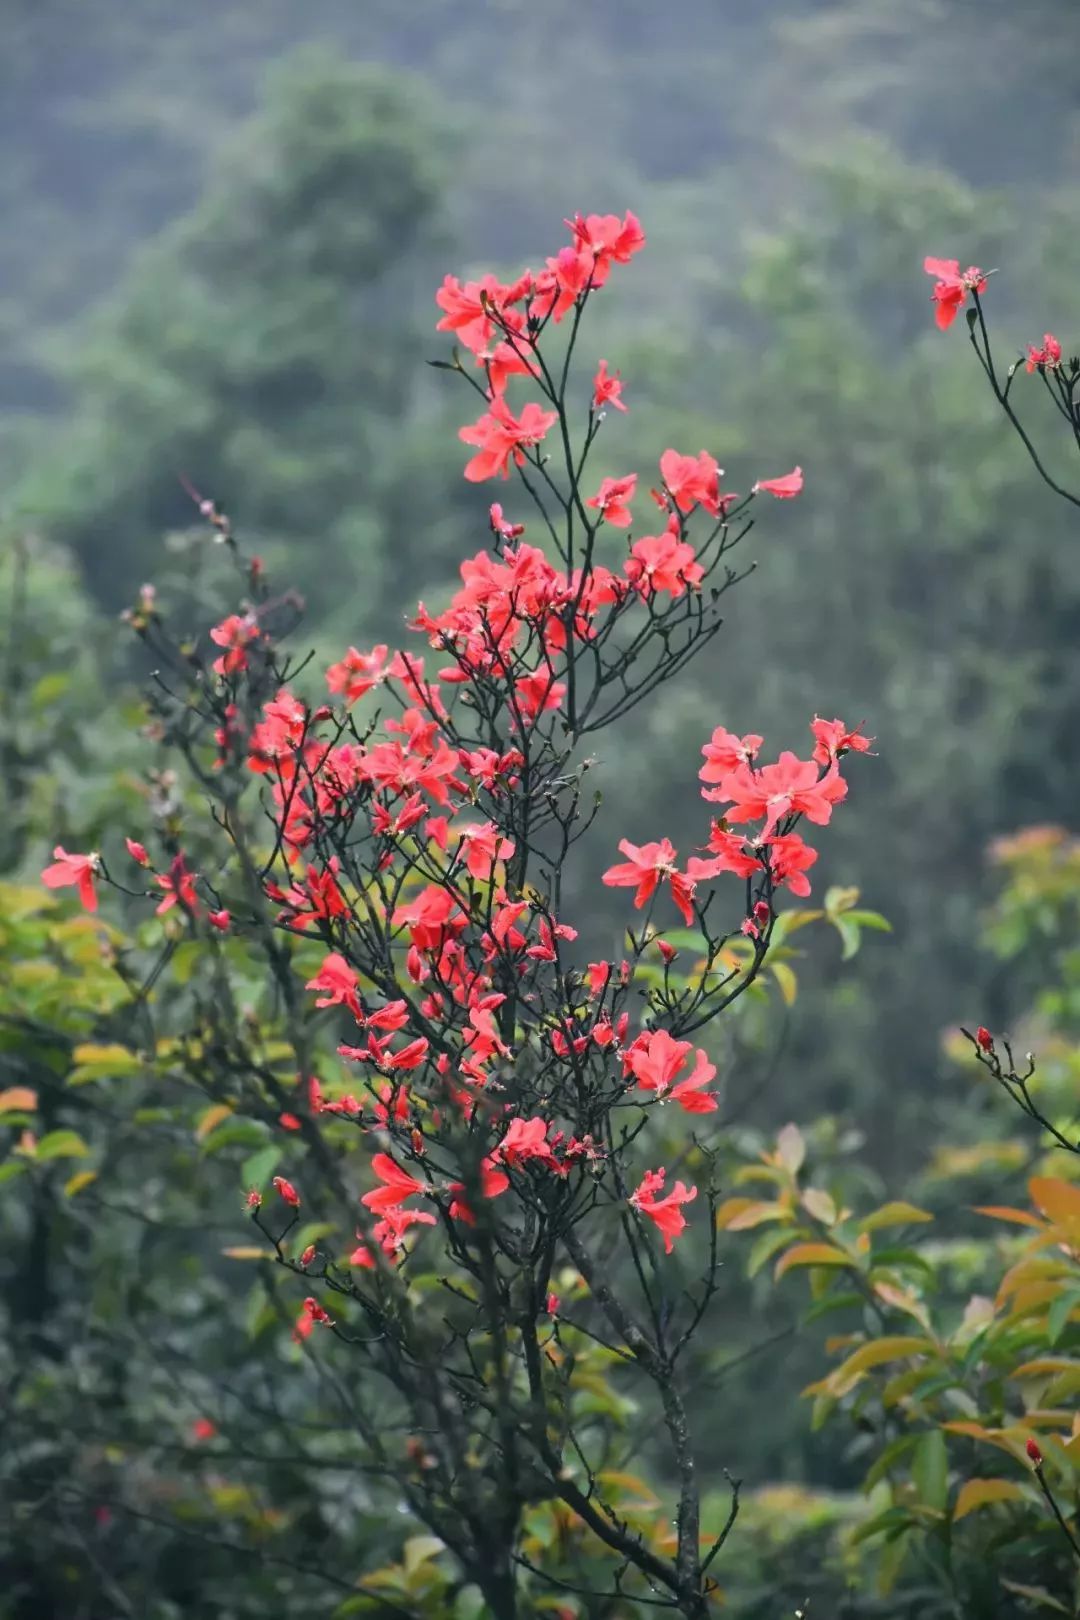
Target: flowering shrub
x,y
396,857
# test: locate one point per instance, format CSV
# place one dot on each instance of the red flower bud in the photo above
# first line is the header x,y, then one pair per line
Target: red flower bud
x,y
551,1304
984,1040
308,1255
287,1191
1034,1453
254,1199
137,852
220,919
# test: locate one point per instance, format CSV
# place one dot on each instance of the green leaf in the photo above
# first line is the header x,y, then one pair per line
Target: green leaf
x,y
930,1470
763,1249
892,1518
50,687
257,1170
904,1257
889,1564
469,1604
1059,1313
236,1133
833,1302
893,1452
871,919
61,1145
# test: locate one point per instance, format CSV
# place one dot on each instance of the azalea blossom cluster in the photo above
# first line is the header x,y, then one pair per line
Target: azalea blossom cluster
x,y
421,843
393,854
771,856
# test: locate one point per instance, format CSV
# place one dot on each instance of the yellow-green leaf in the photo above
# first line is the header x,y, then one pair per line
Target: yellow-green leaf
x,y
979,1493
897,1213
418,1550
879,1351
212,1117
76,1183
786,982
740,1214
111,1062
811,1254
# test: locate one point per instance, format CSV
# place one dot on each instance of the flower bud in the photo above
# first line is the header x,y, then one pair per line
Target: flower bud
x,y
287,1191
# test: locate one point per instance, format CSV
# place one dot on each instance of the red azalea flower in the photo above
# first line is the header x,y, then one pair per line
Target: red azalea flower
x,y
501,438
692,480
663,562
607,390
1049,356
666,1212
832,739
951,288
357,673
647,865
397,1185
612,500
77,870
783,488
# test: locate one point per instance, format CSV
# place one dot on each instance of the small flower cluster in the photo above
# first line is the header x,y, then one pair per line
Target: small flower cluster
x,y
776,794
950,293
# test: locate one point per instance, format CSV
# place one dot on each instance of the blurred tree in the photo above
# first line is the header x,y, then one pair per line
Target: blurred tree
x,y
264,347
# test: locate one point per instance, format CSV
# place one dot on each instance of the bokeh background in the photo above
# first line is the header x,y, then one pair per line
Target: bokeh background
x,y
224,225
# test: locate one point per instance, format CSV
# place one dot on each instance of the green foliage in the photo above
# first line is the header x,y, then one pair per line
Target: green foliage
x,y
961,1342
